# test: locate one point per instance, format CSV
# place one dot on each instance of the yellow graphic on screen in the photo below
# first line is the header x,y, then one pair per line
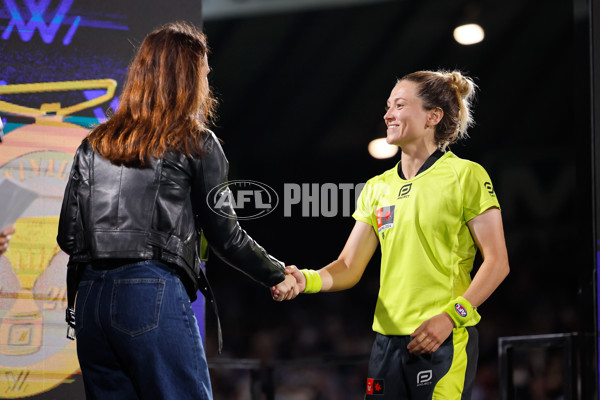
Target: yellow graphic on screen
x,y
35,355
108,84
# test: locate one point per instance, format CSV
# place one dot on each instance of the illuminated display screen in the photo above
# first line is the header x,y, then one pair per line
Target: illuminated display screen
x,y
62,66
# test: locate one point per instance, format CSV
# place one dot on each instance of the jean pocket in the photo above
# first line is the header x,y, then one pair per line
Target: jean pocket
x,y
136,304
83,292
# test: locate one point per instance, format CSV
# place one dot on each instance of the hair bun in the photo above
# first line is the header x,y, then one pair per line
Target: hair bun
x,y
464,86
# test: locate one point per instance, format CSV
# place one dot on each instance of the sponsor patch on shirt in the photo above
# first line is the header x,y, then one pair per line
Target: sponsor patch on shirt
x,y
375,386
385,218
490,189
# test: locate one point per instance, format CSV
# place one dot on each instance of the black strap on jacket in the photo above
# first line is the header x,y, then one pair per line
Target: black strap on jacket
x,y
74,272
209,297
204,286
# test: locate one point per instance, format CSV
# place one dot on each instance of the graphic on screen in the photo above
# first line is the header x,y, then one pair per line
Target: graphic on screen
x,y
37,152
62,65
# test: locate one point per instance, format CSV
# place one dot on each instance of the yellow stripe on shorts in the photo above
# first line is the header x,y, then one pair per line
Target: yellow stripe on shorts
x,y
451,385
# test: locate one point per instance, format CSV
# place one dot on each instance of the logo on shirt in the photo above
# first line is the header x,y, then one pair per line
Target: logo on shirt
x,y
385,218
489,188
460,309
404,191
424,377
375,386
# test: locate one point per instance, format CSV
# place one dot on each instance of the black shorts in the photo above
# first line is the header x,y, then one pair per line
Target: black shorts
x,y
449,373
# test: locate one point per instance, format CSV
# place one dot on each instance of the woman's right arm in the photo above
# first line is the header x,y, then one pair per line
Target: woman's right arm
x,y
224,235
346,271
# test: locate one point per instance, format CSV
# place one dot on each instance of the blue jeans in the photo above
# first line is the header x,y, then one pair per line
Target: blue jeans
x,y
137,335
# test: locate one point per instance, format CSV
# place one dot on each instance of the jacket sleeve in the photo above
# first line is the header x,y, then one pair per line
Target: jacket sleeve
x,y
224,235
68,221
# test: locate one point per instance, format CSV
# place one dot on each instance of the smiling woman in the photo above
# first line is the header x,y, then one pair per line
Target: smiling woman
x,y
437,101
429,214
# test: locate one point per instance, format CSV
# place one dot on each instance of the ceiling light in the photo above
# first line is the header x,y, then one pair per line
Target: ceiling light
x,y
469,34
380,149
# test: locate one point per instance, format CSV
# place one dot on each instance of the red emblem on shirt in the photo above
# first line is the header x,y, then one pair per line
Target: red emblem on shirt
x,y
385,217
375,386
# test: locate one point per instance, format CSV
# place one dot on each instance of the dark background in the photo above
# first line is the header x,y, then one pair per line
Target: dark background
x,y
303,93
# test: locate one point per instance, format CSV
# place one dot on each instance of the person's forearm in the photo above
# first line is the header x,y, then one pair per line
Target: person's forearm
x,y
338,276
491,273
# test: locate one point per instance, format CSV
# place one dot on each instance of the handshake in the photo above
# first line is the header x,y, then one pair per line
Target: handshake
x,y
293,284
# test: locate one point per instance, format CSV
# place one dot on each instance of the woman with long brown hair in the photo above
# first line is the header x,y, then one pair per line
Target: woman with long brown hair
x,y
130,221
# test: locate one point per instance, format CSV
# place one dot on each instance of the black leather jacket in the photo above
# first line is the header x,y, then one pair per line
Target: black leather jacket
x,y
111,212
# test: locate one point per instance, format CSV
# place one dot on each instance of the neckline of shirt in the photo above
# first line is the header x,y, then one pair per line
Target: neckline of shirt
x,y
431,160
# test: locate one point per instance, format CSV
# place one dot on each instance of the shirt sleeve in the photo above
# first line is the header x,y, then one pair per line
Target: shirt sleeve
x,y
364,206
478,191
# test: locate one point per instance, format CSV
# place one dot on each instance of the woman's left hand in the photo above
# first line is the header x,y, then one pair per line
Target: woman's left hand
x,y
430,335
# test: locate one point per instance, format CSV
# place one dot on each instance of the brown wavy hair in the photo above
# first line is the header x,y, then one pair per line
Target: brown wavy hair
x,y
165,105
451,91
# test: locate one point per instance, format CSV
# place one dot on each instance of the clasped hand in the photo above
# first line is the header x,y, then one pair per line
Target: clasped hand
x,y
290,287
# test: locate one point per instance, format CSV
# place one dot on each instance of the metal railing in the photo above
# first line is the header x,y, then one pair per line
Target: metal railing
x,y
566,342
